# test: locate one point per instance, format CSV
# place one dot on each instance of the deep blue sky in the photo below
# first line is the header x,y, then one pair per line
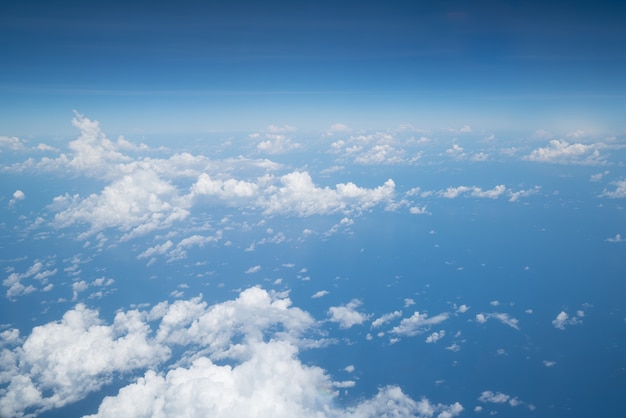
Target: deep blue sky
x,y
185,66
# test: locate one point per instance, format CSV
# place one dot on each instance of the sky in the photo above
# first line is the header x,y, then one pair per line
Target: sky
x,y
188,67
312,209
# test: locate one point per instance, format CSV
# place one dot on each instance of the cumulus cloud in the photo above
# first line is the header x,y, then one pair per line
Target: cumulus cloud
x,y
498,398
297,194
241,360
17,196
616,238
39,271
347,316
418,323
562,152
618,193
563,319
453,192
505,318
386,318
319,294
435,336
135,204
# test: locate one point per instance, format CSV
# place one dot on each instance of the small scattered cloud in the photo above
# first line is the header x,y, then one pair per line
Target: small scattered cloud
x,y
616,238
253,269
347,316
418,323
386,318
618,193
504,318
319,294
17,196
435,336
563,319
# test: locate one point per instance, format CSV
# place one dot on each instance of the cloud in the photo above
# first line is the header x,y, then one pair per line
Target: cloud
x,y
17,196
319,294
563,319
386,318
561,152
39,271
381,154
136,204
347,316
253,269
454,192
498,397
418,323
616,238
240,359
61,362
298,195
435,336
277,144
618,193
502,317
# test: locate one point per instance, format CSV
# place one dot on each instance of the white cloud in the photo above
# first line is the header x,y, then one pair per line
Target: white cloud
x,y
618,193
435,336
548,363
136,204
17,196
253,269
300,196
498,397
505,318
386,318
347,316
454,192
319,294
418,323
616,238
381,154
561,152
61,362
392,402
462,309
64,361
38,271
277,144
563,319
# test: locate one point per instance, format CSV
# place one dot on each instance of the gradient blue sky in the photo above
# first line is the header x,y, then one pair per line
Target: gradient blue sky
x,y
194,66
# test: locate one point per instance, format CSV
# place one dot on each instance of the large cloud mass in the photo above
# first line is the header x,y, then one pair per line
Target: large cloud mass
x,y
240,360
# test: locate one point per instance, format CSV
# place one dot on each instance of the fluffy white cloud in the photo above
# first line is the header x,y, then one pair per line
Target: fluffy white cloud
x,y
298,195
135,204
616,238
61,362
386,318
498,397
618,193
562,152
256,339
453,192
563,319
319,294
505,318
347,316
39,271
435,336
17,196
418,323
381,154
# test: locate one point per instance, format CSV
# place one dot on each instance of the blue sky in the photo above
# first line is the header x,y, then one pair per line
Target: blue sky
x,y
182,67
290,209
